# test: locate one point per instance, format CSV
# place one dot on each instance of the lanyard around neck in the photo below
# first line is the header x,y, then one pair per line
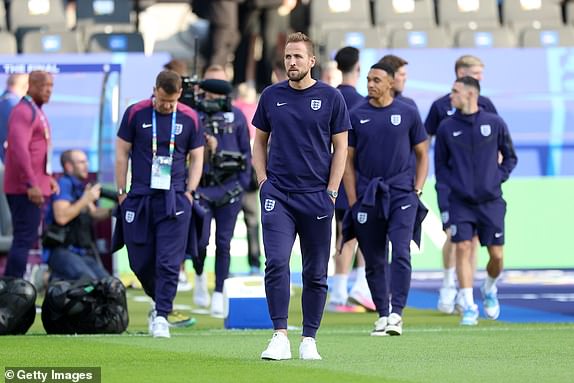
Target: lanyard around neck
x,y
42,117
154,134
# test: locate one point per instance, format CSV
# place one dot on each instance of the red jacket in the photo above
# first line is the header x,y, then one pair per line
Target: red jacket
x,y
28,141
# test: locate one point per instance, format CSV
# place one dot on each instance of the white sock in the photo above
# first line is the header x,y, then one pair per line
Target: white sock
x,y
490,284
339,293
467,297
449,278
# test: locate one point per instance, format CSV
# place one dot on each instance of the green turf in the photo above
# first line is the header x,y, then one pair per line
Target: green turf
x,y
434,348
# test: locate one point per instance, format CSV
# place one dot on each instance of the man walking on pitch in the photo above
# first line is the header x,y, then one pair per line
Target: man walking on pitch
x,y
299,179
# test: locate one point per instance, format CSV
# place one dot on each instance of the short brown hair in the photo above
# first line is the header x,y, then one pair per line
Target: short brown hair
x,y
393,61
299,37
178,66
169,81
467,61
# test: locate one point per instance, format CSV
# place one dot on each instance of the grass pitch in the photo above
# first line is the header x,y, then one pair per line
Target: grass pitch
x,y
433,348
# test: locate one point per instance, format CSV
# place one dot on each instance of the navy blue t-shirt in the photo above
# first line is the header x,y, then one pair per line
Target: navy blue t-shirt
x,y
301,123
352,99
407,100
136,128
351,96
383,139
442,108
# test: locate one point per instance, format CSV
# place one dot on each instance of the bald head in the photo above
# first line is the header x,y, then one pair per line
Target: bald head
x,y
40,85
17,83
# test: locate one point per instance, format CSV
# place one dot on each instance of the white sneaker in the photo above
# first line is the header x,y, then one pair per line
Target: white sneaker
x,y
394,324
200,293
308,349
446,300
217,305
279,348
490,303
160,328
380,327
183,282
362,297
469,316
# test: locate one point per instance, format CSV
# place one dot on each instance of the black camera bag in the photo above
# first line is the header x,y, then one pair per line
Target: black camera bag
x,y
85,307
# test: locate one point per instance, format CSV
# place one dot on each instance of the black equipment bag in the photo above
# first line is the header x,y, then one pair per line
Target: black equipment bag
x,y
17,306
85,307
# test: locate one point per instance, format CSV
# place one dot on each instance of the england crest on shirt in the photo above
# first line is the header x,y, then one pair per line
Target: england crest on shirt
x,y
269,204
130,215
178,129
395,119
485,130
361,217
315,104
229,117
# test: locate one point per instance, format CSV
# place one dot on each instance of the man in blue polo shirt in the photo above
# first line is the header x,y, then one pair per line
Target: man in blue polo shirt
x,y
299,179
472,66
467,161
74,208
383,196
158,135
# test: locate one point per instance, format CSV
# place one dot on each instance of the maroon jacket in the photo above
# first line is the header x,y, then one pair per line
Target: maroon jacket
x,y
28,141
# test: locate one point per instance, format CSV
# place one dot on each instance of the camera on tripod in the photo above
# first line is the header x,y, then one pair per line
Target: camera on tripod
x,y
198,102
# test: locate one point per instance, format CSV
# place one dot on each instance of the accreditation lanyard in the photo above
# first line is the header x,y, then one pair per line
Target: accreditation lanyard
x,y
46,133
161,165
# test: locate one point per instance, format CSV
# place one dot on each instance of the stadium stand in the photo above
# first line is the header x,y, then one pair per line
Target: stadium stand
x,y
108,16
116,42
8,44
325,14
3,26
404,14
463,14
337,17
336,24
420,38
33,15
485,38
5,218
570,13
553,37
51,42
87,31
355,37
519,14
103,12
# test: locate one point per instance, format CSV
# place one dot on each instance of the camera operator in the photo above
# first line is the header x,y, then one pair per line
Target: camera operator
x,y
226,174
68,239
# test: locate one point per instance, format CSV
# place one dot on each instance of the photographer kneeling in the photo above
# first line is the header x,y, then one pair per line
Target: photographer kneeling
x,y
68,238
226,174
